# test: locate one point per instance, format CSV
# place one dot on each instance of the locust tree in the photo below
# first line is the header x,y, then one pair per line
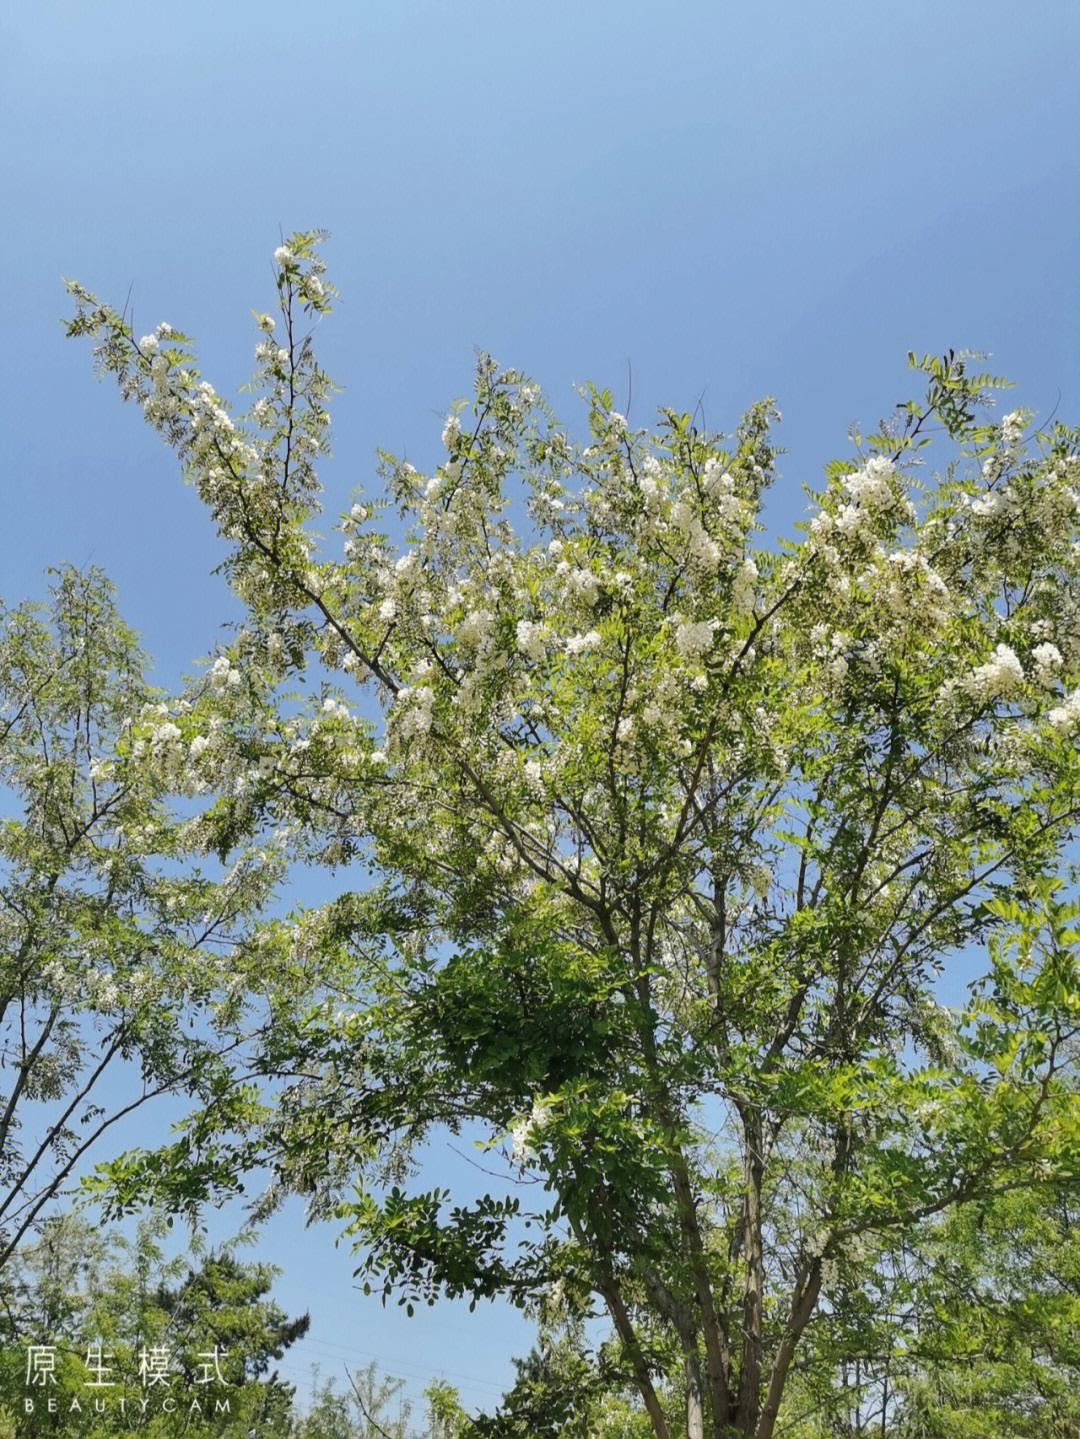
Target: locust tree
x,y
965,1327
995,1333
655,841
133,971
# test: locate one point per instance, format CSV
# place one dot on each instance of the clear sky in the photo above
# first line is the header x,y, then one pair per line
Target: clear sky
x,y
724,199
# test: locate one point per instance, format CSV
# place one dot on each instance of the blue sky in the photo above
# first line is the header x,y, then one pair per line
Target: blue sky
x,y
729,199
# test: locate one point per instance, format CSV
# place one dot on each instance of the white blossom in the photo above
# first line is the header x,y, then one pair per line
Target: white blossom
x,y
519,1133
872,485
693,639
999,677
650,490
1048,661
584,586
475,628
221,674
742,587
408,566
530,640
716,481
579,644
1065,718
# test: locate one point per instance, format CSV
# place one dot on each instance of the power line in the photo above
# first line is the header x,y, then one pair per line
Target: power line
x,y
421,1373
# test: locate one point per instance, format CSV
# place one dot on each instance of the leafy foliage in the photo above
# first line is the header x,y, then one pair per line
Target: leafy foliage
x,y
118,956
670,839
164,1349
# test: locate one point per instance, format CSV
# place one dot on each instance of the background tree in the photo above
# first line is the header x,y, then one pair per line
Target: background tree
x,y
371,1406
75,1288
995,1345
671,837
132,960
116,953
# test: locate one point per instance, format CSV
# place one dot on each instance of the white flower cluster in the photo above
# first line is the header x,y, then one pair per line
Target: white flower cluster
x,y
417,704
650,481
407,568
855,522
999,677
839,646
1065,718
873,493
530,641
719,485
821,529
223,676
163,405
872,486
992,504
527,1128
702,548
913,587
475,629
581,585
1047,659
742,588
693,638
167,746
107,996
209,414
581,644
1012,427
